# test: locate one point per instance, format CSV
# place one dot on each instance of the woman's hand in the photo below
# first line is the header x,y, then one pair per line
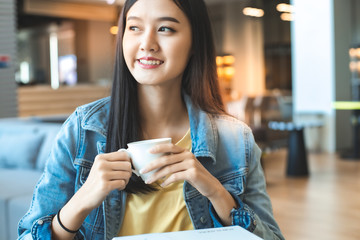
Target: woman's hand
x,y
110,171
180,164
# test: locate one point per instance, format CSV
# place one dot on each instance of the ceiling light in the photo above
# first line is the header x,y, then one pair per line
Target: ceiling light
x,y
228,59
113,2
219,61
353,66
114,30
287,17
284,7
358,53
253,12
352,52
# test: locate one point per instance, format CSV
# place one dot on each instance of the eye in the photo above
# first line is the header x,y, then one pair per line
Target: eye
x,y
166,29
134,28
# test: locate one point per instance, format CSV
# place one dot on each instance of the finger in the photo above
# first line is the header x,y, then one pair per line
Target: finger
x,y
166,160
109,175
168,171
114,156
118,184
166,148
173,178
103,165
117,175
120,166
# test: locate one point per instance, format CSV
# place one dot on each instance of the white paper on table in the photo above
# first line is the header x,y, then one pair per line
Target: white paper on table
x,y
224,233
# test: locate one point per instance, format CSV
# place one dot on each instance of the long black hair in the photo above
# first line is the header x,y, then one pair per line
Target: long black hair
x,y
199,82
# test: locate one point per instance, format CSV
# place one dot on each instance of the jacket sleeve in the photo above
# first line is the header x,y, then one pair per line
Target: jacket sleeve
x,y
254,210
56,185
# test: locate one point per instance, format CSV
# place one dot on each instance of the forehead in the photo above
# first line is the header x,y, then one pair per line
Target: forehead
x,y
147,9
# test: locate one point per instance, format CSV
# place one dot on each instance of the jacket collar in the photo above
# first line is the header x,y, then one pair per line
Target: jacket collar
x,y
95,116
204,136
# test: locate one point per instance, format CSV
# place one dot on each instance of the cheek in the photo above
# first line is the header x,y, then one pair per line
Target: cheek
x,y
184,51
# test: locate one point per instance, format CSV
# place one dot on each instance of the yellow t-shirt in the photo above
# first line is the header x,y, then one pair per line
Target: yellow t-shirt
x,y
159,211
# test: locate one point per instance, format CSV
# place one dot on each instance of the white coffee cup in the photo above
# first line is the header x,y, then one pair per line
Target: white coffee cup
x,y
140,155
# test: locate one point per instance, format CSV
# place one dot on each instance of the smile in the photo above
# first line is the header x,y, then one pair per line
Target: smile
x,y
150,62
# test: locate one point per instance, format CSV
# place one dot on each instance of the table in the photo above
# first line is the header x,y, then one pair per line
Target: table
x,y
297,163
346,105
228,233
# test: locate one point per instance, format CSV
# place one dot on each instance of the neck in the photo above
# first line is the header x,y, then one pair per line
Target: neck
x,y
163,112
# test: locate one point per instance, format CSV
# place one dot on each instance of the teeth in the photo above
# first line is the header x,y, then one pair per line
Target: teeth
x,y
150,62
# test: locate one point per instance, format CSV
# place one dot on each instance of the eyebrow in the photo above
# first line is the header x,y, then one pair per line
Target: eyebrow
x,y
170,19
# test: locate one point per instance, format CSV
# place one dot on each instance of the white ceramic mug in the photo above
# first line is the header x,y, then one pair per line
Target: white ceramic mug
x,y
140,155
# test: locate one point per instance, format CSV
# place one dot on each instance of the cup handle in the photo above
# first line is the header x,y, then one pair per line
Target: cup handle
x,y
129,154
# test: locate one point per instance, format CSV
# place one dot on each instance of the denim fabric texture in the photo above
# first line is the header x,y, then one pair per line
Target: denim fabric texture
x,y
223,144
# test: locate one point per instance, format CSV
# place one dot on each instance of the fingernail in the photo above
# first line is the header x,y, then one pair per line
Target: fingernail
x,y
141,171
152,150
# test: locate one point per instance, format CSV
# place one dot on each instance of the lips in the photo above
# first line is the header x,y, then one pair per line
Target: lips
x,y
150,61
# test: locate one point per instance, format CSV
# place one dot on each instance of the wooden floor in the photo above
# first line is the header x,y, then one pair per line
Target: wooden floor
x,y
323,206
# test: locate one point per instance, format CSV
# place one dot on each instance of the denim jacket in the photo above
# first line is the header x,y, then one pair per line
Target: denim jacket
x,y
224,145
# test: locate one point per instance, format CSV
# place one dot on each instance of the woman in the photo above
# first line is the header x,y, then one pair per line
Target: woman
x,y
165,85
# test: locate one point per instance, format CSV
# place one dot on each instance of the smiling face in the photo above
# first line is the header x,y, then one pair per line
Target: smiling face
x,y
156,42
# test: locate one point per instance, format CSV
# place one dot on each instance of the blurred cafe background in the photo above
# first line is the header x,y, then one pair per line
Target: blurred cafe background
x,y
289,69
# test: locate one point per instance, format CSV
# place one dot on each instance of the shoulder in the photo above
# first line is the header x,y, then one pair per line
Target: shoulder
x,y
226,121
93,116
236,141
233,132
89,109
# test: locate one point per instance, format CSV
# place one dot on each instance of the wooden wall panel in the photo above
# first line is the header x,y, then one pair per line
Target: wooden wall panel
x,y
44,101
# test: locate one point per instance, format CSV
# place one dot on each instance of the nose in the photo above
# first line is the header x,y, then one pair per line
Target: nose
x,y
149,42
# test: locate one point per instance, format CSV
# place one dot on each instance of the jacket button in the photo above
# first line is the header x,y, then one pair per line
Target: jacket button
x,y
203,220
40,222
